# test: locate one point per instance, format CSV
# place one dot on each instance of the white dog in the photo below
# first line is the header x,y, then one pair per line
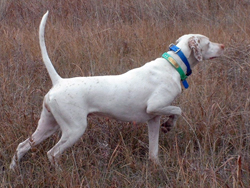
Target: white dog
x,y
143,94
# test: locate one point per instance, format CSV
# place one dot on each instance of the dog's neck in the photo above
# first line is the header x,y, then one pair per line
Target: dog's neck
x,y
190,57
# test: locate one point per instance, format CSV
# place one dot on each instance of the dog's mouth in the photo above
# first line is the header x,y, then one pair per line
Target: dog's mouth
x,y
212,57
216,56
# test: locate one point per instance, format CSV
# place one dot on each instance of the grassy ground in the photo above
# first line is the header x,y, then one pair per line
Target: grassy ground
x,y
209,147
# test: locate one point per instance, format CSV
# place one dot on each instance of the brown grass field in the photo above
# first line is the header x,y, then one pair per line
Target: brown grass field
x,y
209,147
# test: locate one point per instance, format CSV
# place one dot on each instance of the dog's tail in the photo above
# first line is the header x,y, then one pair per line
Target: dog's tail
x,y
50,68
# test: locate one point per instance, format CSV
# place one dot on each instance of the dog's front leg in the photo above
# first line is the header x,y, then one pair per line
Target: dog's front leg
x,y
153,136
172,111
167,125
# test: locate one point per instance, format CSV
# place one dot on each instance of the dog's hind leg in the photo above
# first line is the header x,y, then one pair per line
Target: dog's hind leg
x,y
72,130
46,127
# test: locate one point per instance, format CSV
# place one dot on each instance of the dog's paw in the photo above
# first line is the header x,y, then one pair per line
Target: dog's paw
x,y
166,126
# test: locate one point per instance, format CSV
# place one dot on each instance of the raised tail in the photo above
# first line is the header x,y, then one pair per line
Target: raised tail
x,y
50,68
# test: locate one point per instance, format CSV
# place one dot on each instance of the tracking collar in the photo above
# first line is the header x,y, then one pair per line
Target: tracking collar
x,y
177,67
178,51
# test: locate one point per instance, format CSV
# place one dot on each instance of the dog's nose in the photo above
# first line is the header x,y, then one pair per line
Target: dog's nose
x,y
222,46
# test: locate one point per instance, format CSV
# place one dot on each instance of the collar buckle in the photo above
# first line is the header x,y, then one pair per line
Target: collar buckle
x,y
176,52
170,45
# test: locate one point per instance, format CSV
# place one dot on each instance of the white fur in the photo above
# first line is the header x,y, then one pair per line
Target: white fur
x,y
143,94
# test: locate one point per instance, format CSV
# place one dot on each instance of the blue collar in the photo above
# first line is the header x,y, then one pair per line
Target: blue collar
x,y
178,51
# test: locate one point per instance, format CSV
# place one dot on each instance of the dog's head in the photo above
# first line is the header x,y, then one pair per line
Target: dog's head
x,y
200,47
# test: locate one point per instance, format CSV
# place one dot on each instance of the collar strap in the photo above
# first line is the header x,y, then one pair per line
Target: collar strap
x,y
178,51
177,67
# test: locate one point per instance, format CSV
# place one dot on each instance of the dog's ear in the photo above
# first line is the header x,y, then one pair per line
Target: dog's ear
x,y
194,44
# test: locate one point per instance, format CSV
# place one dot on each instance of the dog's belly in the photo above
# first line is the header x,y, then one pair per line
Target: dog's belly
x,y
138,117
124,106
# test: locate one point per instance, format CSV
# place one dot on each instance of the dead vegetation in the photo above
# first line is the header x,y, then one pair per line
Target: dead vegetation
x,y
209,147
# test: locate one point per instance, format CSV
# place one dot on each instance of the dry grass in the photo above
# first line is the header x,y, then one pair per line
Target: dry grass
x,y
209,147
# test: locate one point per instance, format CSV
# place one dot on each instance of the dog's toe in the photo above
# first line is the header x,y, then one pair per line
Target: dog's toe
x,y
166,127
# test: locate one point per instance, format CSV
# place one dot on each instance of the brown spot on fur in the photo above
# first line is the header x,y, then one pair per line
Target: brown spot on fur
x,y
31,141
47,107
